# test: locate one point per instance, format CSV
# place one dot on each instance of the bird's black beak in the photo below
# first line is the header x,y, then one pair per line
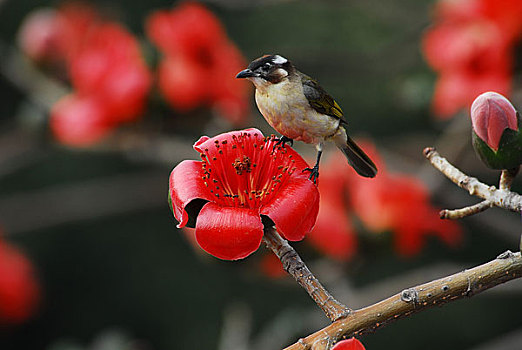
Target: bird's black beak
x,y
246,73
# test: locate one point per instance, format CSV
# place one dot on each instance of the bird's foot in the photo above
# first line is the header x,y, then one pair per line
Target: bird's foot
x,y
314,173
282,141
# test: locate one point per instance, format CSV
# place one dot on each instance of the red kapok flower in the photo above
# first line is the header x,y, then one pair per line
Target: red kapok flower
x,y
455,90
200,62
180,79
471,46
400,203
190,30
491,114
477,45
79,120
109,65
53,35
349,344
111,83
506,13
471,57
241,184
19,289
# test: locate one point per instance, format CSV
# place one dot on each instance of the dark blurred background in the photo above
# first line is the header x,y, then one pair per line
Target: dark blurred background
x,y
115,273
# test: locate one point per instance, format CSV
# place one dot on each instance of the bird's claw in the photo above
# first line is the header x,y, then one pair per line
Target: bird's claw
x,y
282,141
314,173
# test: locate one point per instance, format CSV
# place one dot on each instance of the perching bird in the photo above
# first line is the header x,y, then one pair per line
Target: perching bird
x,y
297,107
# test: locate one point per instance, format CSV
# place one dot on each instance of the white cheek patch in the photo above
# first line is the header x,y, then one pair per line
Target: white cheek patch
x,y
281,72
279,59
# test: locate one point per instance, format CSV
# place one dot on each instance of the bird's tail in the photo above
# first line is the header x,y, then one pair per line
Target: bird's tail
x,y
362,164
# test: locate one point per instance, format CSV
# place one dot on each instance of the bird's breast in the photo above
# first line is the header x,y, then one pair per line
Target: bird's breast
x,y
287,110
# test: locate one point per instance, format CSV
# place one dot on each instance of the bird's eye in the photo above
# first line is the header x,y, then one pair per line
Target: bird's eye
x,y
266,67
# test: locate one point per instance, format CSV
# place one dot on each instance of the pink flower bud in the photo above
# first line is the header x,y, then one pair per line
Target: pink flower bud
x,y
491,114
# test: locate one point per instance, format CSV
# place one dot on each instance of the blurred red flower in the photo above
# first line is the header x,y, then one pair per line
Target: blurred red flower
x,y
111,84
109,67
200,62
456,90
507,14
349,344
107,70
400,204
19,290
334,234
471,46
241,179
52,35
79,120
392,202
104,63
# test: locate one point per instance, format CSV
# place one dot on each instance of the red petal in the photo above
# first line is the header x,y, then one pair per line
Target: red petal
x,y
19,290
182,83
333,233
450,94
228,233
496,125
125,90
158,27
479,120
230,96
408,239
208,142
491,113
294,209
79,120
77,20
349,344
195,30
185,185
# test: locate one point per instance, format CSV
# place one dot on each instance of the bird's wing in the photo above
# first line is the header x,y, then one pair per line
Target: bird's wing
x,y
319,98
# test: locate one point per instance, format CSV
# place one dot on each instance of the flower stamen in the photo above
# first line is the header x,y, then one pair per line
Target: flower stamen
x,y
255,175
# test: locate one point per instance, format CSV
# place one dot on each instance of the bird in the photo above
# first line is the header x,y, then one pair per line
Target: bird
x,y
298,108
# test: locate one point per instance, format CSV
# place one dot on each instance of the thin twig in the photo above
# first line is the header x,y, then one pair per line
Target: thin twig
x,y
502,198
454,214
293,264
507,177
505,267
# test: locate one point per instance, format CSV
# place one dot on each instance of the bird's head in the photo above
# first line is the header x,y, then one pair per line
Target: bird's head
x,y
268,69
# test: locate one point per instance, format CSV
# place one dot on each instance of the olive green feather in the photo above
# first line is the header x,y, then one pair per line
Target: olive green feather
x,y
319,98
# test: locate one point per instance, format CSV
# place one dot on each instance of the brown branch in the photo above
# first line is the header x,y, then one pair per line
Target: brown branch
x,y
294,265
502,198
505,267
